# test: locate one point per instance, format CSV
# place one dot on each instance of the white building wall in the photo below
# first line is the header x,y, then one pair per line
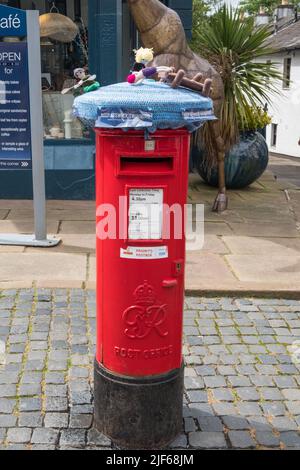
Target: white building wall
x,y
285,109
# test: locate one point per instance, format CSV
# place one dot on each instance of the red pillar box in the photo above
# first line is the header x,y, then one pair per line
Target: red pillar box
x,y
142,184
139,367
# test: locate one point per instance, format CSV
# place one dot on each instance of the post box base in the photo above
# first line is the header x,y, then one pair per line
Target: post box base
x,y
139,413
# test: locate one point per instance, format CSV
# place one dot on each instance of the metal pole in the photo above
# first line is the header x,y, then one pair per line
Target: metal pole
x,y
39,239
36,122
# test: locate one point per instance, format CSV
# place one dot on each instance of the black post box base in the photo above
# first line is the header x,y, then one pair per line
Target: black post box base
x,y
139,413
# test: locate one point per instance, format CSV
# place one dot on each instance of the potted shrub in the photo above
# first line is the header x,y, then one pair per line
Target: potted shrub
x,y
247,160
233,45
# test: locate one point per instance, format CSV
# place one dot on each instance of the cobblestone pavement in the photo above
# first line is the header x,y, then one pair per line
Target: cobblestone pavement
x,y
242,374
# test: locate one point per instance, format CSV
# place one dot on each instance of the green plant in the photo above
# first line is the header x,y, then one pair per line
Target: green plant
x,y
233,45
202,9
257,118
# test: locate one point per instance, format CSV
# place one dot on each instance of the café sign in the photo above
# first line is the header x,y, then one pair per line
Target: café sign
x,y
12,22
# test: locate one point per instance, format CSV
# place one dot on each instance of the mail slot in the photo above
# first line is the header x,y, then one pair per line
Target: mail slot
x,y
146,164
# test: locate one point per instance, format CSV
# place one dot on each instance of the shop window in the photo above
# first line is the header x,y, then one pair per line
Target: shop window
x,y
61,54
61,5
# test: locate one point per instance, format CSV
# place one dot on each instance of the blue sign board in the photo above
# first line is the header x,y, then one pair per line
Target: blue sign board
x,y
15,129
12,22
15,133
21,115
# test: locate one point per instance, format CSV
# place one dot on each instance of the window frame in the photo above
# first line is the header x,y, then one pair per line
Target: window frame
x,y
287,67
274,134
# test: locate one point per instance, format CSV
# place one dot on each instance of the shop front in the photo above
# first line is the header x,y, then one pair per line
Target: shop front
x,y
96,35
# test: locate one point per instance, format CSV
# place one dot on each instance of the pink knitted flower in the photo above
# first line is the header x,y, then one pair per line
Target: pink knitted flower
x,y
131,78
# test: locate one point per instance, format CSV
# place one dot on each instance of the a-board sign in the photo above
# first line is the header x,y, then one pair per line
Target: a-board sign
x,y
21,114
15,132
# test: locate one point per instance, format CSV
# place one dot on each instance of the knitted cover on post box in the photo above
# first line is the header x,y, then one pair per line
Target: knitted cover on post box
x,y
152,105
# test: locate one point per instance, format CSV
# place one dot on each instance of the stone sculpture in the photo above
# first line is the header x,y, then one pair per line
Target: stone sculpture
x,y
161,29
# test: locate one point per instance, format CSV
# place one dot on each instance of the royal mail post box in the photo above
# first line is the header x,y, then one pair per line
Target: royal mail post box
x,y
141,179
141,197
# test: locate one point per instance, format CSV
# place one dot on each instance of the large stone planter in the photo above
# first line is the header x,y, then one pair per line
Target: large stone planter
x,y
244,163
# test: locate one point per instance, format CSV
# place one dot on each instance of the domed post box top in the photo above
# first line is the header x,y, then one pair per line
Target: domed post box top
x,y
151,105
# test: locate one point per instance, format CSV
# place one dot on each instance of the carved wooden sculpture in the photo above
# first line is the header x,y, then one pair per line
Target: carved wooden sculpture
x,y
161,28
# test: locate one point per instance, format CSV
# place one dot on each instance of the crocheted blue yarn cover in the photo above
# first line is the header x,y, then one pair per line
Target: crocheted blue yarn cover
x,y
152,105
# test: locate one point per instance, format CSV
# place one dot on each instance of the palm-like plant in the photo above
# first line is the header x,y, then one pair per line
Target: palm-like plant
x,y
233,45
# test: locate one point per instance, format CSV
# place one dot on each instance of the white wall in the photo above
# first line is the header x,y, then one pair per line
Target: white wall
x,y
285,109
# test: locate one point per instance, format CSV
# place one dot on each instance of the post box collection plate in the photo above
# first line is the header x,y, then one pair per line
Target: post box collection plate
x,y
145,214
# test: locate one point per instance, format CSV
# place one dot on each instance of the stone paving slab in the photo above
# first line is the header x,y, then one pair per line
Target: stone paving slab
x,y
24,226
253,247
77,227
49,266
253,267
202,268
257,246
62,213
242,375
286,169
4,213
85,244
262,229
